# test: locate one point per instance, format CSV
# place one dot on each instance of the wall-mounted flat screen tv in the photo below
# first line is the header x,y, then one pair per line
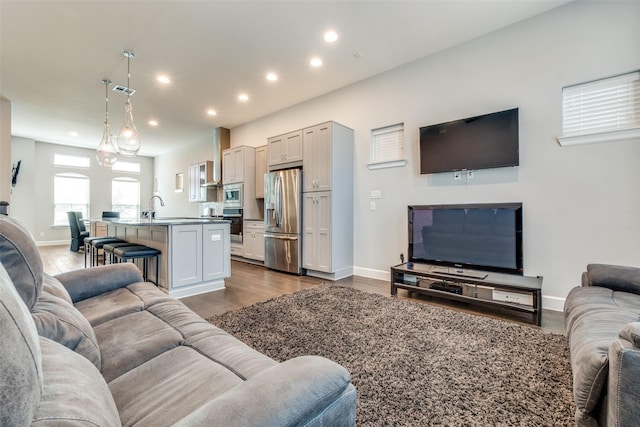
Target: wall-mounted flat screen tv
x,y
482,142
485,237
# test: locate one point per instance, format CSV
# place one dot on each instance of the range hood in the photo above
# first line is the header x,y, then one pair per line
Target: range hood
x,y
221,141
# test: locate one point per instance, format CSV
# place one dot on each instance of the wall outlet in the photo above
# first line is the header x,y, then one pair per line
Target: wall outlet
x,y
42,234
375,194
372,206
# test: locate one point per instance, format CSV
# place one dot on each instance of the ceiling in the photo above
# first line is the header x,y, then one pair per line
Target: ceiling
x,y
54,55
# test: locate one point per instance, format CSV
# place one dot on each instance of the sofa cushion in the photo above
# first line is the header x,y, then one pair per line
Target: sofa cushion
x,y
129,341
75,394
21,259
117,303
594,319
169,387
20,358
54,287
615,277
61,322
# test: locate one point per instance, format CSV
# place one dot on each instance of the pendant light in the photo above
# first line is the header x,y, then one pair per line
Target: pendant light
x,y
106,152
128,139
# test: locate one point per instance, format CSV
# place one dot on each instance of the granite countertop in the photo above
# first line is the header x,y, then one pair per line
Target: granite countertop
x,y
170,221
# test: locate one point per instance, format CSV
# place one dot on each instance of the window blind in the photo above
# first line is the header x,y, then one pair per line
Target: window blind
x,y
606,105
387,144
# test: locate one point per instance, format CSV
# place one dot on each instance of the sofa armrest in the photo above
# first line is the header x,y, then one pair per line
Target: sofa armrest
x,y
295,392
89,282
623,403
614,277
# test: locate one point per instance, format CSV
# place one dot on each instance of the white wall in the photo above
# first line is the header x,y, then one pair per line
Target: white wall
x,y
32,198
5,150
581,203
166,167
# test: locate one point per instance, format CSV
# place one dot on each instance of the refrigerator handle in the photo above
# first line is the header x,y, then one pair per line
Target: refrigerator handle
x,y
280,237
279,191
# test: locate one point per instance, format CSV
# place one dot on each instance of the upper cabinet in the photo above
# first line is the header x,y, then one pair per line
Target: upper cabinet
x,y
317,149
261,169
238,164
199,174
285,150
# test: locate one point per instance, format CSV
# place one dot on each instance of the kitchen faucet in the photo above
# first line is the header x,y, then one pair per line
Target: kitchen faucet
x,y
151,210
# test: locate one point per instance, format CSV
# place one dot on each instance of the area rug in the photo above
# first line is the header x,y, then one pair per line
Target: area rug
x,y
414,364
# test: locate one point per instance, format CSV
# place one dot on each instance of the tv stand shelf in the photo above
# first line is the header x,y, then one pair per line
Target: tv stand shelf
x,y
518,293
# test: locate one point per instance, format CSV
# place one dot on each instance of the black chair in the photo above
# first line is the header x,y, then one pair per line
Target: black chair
x,y
77,234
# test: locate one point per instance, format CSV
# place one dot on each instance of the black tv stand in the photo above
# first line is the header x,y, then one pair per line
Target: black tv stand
x,y
518,293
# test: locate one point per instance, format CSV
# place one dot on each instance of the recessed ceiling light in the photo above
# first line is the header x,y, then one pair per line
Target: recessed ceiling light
x,y
243,97
316,62
73,133
164,79
211,112
272,77
330,36
153,122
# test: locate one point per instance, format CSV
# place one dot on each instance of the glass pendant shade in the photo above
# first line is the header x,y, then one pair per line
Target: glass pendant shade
x,y
106,153
128,139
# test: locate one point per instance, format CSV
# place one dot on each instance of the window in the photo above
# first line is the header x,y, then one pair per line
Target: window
x,y
387,147
70,193
125,197
71,161
120,166
601,110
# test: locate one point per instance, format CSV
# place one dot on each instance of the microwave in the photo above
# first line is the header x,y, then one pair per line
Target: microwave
x,y
232,195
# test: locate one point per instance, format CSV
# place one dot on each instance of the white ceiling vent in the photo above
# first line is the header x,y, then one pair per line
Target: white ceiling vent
x,y
124,90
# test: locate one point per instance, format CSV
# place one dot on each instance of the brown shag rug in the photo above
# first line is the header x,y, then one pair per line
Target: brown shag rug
x,y
415,364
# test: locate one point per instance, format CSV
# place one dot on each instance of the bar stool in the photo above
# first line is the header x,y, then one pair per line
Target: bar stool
x,y
92,245
107,250
126,253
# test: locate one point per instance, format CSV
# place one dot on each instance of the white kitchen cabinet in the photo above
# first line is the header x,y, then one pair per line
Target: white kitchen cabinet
x,y
253,240
285,150
237,249
316,239
261,169
328,211
200,254
199,174
186,255
216,257
317,149
238,164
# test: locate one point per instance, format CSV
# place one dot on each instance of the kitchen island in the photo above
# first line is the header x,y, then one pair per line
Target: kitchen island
x,y
195,252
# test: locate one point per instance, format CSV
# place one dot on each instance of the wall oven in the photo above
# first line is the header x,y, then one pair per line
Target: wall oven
x,y
233,196
235,217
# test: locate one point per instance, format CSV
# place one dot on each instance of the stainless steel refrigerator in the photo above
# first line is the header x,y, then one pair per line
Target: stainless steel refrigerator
x,y
283,220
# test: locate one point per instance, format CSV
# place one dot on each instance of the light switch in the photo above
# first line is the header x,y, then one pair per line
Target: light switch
x,y
372,206
375,194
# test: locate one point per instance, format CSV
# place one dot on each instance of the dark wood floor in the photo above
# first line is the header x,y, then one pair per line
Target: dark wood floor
x,y
250,284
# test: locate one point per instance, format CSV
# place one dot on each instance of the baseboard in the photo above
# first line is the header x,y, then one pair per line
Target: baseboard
x,y
553,303
53,242
372,274
548,302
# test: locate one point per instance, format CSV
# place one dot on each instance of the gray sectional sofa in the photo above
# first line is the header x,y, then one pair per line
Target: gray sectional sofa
x,y
602,320
99,347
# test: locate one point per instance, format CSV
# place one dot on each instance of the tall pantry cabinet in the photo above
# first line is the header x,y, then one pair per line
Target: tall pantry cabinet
x,y
328,212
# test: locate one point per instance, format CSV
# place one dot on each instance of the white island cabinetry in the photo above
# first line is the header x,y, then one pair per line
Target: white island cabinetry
x,y
195,254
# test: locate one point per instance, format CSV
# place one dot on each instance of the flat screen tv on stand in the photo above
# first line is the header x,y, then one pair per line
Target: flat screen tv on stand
x,y
467,239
